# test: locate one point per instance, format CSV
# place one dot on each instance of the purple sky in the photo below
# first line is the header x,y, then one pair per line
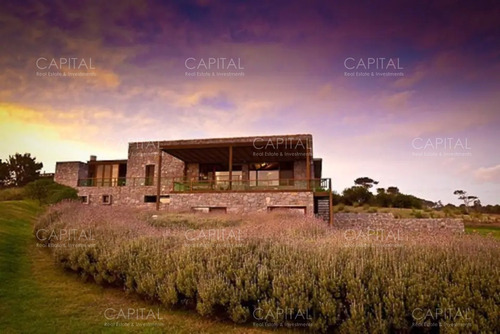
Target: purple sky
x,y
429,130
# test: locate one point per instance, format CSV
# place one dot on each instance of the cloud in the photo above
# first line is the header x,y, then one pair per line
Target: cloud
x,y
488,174
397,100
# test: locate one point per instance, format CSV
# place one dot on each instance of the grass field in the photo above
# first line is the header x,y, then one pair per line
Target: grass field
x,y
493,231
283,270
482,220
38,297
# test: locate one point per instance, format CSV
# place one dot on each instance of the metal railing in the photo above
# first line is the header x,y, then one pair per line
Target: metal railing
x,y
183,184
116,182
192,185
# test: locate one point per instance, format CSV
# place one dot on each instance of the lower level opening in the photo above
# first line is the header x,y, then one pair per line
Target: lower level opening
x,y
287,209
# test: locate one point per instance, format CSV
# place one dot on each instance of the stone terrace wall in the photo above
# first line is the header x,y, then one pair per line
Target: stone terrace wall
x,y
387,221
237,202
242,202
119,195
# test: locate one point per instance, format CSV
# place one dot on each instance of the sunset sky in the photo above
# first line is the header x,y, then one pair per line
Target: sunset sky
x,y
430,127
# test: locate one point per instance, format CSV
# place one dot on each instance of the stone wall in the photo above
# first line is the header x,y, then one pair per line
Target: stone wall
x,y
387,221
299,169
146,153
69,172
141,154
242,202
119,195
192,170
235,202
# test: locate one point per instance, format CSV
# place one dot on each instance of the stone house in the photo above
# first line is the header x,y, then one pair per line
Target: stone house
x,y
234,175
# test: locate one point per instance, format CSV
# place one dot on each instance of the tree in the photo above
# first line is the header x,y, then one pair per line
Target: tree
x,y
38,190
336,198
383,199
357,194
380,191
365,182
462,195
4,173
24,169
439,205
393,190
407,201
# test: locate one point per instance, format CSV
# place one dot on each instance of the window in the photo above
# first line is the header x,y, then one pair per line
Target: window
x,y
222,179
106,199
288,209
150,173
106,174
217,209
264,174
204,210
84,199
165,199
150,199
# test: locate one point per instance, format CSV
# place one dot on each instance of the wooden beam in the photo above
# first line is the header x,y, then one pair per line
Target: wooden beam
x,y
308,164
331,208
239,141
158,180
230,166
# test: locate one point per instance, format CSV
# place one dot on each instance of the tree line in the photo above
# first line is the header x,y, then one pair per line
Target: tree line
x,y
19,170
361,194
22,172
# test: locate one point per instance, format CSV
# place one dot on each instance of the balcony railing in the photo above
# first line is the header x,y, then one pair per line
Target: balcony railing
x,y
116,182
193,185
190,185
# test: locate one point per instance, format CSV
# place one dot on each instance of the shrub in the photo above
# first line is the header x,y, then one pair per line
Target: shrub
x,y
195,221
286,262
336,198
47,191
11,194
340,207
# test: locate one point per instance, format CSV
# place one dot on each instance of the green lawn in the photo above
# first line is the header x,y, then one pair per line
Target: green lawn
x,y
38,297
493,231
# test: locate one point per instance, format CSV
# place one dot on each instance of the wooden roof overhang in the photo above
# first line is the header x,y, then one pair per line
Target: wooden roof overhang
x,y
241,152
107,162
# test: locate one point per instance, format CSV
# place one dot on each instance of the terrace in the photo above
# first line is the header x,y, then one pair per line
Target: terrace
x,y
276,163
183,184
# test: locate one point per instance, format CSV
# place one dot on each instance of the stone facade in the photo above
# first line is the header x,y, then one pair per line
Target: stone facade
x,y
69,172
386,221
126,195
242,202
233,202
192,170
146,153
135,191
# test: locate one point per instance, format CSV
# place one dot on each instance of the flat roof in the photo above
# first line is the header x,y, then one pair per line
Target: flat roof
x,y
276,148
225,140
108,161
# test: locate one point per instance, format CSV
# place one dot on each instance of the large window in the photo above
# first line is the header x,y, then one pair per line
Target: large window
x,y
150,174
267,174
219,172
105,174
